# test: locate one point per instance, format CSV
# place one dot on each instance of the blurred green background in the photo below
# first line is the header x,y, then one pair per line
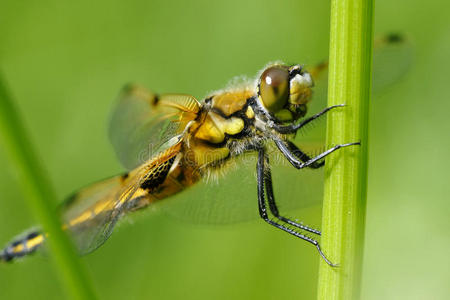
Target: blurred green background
x,y
66,61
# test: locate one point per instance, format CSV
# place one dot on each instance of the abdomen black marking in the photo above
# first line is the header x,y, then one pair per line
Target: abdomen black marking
x,y
22,246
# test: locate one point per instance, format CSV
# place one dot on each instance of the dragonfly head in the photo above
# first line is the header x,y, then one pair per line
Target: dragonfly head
x,y
284,91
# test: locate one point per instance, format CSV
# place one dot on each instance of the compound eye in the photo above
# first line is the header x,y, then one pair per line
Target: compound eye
x,y
274,88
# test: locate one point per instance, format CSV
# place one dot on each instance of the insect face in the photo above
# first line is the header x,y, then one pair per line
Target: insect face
x,y
284,91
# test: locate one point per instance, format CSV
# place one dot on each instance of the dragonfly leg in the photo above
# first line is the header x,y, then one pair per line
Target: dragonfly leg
x,y
292,158
271,200
263,210
303,156
295,127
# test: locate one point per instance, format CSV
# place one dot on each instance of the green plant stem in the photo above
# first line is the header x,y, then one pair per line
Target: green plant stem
x,y
351,42
40,196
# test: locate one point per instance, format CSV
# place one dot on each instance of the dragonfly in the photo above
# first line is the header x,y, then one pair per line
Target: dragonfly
x,y
170,142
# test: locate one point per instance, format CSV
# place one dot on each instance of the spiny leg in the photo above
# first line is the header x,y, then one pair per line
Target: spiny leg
x,y
271,199
298,164
263,210
303,156
295,127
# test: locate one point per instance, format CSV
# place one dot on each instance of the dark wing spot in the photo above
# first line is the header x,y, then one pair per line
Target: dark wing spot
x,y
394,38
155,100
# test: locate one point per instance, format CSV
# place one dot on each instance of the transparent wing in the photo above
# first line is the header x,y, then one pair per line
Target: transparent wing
x,y
91,214
142,123
392,58
232,198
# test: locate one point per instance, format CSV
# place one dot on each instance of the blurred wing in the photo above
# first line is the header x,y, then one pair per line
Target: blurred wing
x,y
143,123
88,215
231,195
91,214
392,58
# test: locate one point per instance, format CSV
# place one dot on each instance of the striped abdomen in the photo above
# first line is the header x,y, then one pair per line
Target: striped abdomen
x,y
22,246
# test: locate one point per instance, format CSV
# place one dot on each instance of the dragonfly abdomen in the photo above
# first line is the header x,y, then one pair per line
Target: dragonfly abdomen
x,y
22,246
